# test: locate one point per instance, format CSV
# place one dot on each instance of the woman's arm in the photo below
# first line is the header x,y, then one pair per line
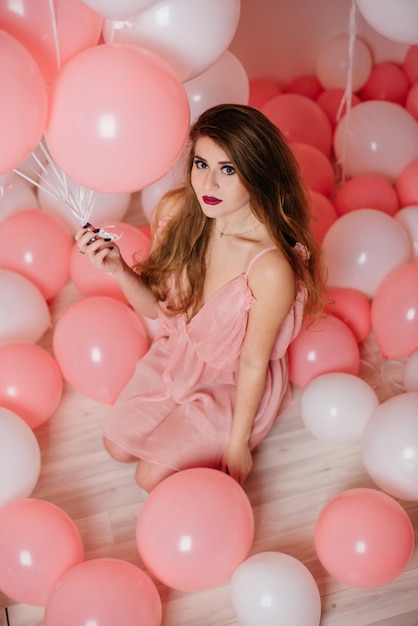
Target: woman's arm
x,y
274,287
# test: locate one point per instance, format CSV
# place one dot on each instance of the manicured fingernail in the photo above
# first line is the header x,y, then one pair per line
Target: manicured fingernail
x,y
107,239
87,225
111,247
96,230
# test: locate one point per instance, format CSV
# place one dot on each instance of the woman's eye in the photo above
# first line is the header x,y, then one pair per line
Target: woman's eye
x,y
200,164
228,169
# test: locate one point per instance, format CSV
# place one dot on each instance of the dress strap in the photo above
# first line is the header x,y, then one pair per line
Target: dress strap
x,y
257,256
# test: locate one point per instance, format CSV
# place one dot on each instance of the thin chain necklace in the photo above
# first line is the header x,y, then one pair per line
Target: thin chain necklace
x,y
222,234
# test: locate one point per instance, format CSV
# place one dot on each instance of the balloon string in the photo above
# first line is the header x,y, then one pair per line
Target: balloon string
x,y
55,33
348,92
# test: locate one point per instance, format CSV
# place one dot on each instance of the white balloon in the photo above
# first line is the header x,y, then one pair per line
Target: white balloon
x,y
226,81
20,457
394,19
333,64
189,35
408,217
19,195
410,374
390,446
275,589
152,194
119,9
336,407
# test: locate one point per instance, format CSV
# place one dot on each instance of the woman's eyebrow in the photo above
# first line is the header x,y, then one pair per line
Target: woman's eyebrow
x,y
196,156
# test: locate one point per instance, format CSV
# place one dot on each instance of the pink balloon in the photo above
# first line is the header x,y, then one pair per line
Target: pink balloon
x,y
387,81
52,37
189,38
377,138
24,313
306,85
114,139
97,343
408,217
364,538
133,244
35,245
316,168
352,307
23,104
31,384
390,446
194,529
411,104
330,102
367,191
410,64
394,312
301,120
327,345
333,63
262,90
362,247
104,592
323,214
38,543
407,185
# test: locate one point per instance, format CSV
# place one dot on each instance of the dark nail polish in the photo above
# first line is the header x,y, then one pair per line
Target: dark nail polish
x,y
87,225
107,239
111,247
96,230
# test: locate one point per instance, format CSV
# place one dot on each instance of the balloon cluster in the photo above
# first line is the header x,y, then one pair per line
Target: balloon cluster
x,y
97,101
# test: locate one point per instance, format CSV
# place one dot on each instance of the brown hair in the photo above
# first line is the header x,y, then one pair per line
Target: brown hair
x,y
269,171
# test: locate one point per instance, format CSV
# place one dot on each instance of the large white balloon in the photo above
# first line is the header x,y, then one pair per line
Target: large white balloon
x,y
408,217
336,407
394,19
334,66
189,35
119,9
410,375
20,458
275,589
390,446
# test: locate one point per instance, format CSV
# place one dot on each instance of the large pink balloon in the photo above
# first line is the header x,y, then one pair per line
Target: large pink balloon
x,y
390,446
51,35
301,120
97,343
134,245
327,345
394,312
24,313
367,191
377,137
352,307
104,592
394,19
316,168
364,538
334,104
31,384
191,37
35,245
387,81
20,458
362,247
407,185
129,126
38,543
23,103
195,528
272,588
323,214
334,64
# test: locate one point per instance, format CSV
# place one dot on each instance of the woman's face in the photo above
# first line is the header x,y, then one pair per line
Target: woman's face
x,y
215,181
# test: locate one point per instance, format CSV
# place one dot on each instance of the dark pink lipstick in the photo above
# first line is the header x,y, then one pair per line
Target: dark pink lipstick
x,y
211,200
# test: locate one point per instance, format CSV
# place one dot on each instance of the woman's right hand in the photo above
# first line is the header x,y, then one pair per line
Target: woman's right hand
x,y
103,253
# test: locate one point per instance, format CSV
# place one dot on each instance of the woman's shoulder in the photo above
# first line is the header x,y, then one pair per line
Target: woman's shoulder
x,y
270,269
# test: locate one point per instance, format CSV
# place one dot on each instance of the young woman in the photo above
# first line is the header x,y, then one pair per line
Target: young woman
x,y
233,272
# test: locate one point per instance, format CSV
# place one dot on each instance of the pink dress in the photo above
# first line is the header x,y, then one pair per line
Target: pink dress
x,y
177,409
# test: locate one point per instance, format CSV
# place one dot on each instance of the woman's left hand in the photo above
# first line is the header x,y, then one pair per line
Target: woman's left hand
x,y
237,461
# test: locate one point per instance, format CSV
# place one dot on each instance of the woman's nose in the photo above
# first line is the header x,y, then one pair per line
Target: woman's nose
x,y
211,180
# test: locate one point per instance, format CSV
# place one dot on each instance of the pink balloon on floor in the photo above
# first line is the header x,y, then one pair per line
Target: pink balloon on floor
x,y
367,191
364,538
327,345
407,185
323,214
408,217
97,343
389,446
31,383
104,592
38,543
35,245
20,458
316,168
113,139
195,528
387,81
24,313
352,307
394,312
272,588
362,247
94,282
300,119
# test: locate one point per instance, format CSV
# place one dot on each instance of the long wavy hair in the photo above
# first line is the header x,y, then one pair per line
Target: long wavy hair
x,y
269,171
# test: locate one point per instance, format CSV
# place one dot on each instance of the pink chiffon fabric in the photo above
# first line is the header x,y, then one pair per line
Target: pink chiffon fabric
x,y
177,409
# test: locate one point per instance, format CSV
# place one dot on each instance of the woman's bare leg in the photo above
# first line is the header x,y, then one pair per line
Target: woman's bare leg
x,y
148,474
117,452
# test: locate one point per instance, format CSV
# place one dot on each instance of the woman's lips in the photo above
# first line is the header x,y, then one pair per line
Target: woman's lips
x,y
211,200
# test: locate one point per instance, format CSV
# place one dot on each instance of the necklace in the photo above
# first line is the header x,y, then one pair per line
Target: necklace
x,y
222,234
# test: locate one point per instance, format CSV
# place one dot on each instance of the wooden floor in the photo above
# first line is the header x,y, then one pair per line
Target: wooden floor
x,y
293,477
